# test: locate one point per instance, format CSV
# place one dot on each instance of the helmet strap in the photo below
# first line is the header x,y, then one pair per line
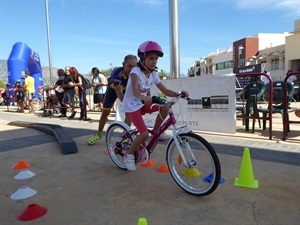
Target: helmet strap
x,y
143,67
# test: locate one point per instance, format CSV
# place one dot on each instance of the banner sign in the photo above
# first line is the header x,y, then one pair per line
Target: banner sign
x,y
244,80
212,104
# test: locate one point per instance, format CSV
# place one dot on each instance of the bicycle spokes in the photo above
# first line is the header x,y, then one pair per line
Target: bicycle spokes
x,y
122,146
189,159
190,163
118,141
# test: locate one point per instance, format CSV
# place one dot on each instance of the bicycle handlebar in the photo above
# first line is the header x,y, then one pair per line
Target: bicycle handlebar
x,y
161,101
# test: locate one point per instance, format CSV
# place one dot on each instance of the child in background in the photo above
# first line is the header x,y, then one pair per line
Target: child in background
x,y
20,95
6,95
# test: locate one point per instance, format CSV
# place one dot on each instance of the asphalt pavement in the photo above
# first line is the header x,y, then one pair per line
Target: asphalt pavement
x,y
86,188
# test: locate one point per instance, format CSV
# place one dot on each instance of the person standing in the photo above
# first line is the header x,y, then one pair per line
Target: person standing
x,y
14,89
69,91
59,92
291,78
29,90
80,91
264,79
99,83
116,87
20,95
6,95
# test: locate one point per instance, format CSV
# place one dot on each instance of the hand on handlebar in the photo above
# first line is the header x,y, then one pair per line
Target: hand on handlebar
x,y
153,99
162,101
158,100
184,94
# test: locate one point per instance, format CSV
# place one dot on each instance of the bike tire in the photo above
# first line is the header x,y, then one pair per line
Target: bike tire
x,y
203,175
117,144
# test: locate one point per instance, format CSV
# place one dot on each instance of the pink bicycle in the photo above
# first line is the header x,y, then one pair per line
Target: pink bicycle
x,y
192,161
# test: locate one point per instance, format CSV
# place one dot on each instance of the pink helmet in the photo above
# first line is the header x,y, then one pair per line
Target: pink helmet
x,y
149,46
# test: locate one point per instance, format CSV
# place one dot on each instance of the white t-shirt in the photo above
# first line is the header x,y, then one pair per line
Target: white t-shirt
x,y
97,80
264,79
292,78
132,103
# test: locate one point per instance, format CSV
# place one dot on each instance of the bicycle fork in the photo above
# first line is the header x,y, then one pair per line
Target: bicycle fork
x,y
178,142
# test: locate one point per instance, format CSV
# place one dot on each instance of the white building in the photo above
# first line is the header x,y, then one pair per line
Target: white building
x,y
274,53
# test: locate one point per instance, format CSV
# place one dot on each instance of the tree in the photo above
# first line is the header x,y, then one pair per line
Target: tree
x,y
107,72
162,75
2,84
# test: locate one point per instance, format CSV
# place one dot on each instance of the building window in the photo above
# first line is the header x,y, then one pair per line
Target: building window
x,y
241,62
224,65
274,64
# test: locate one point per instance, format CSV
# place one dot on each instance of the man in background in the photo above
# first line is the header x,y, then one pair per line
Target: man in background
x,y
29,90
116,87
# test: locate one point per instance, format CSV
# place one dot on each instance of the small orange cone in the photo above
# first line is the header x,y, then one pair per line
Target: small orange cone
x,y
147,164
163,168
246,176
21,165
179,159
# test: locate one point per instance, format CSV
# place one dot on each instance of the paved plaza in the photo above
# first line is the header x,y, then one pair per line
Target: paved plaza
x,y
86,188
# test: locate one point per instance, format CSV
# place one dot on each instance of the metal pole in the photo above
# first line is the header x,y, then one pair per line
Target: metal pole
x,y
174,43
49,41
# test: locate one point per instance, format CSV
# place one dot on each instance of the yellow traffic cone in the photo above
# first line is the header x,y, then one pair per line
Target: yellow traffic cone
x,y
142,221
246,177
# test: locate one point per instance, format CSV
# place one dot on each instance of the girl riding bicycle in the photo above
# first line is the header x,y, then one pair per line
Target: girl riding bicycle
x,y
136,102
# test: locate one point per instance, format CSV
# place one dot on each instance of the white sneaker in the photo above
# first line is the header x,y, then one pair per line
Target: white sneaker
x,y
129,162
142,155
164,137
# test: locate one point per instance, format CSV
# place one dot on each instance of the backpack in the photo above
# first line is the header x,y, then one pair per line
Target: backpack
x,y
85,82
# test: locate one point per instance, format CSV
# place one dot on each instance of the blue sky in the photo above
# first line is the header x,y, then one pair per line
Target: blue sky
x,y
88,33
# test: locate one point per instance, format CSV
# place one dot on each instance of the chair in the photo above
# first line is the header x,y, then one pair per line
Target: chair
x,y
252,92
278,99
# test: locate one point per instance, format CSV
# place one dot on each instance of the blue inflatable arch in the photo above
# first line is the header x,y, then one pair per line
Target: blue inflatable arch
x,y
21,59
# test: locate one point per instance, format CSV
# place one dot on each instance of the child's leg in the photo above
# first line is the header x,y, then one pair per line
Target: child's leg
x,y
137,119
21,105
160,117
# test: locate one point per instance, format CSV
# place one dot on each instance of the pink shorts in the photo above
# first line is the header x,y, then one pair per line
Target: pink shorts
x,y
137,119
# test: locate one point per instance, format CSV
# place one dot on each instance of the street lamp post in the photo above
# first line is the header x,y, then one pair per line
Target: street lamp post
x,y
48,39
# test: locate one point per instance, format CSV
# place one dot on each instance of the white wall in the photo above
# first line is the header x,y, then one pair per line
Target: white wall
x,y
219,116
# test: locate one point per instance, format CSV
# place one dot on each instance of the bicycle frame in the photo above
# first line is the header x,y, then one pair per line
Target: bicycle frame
x,y
171,121
190,158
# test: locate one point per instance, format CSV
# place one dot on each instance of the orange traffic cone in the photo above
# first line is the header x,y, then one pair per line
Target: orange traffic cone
x,y
246,176
163,168
147,164
21,165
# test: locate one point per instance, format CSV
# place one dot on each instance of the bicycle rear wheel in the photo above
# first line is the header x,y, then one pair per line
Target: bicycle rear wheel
x,y
118,141
202,173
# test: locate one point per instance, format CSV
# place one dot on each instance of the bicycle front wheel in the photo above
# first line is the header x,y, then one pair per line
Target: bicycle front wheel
x,y
118,141
202,172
